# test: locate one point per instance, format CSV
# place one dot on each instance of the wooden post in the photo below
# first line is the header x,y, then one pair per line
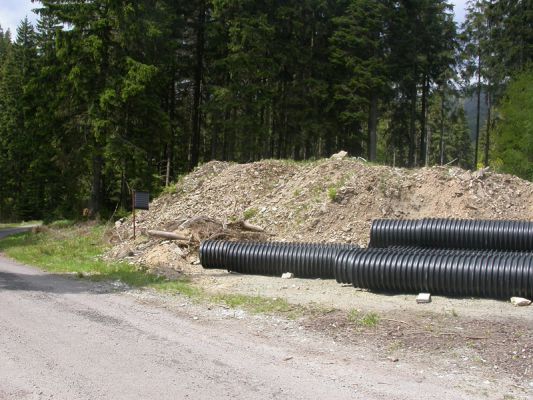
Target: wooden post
x,y
133,210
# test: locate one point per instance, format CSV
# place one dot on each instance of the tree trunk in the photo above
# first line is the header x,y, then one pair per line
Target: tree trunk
x,y
123,187
198,74
172,118
478,109
423,125
487,132
96,189
441,142
412,128
372,127
281,121
169,163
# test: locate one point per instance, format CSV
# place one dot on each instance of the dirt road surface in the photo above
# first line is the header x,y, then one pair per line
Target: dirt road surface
x,y
64,338
13,231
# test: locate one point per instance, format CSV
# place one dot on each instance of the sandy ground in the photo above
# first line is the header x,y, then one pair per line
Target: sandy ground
x,y
64,338
330,294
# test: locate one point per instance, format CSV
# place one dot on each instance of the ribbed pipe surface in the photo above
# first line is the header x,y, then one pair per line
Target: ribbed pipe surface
x,y
448,272
342,276
453,233
304,260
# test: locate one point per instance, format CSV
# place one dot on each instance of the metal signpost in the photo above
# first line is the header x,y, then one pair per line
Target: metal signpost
x,y
140,201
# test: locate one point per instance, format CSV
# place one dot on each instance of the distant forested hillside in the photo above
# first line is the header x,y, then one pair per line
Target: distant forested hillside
x,y
470,105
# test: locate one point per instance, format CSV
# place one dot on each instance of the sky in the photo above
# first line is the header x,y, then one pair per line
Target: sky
x,y
13,11
459,8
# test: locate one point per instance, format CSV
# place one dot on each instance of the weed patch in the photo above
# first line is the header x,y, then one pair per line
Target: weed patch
x,y
250,213
174,187
368,320
62,223
332,193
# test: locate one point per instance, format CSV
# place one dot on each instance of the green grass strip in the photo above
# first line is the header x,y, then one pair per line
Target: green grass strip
x,y
78,250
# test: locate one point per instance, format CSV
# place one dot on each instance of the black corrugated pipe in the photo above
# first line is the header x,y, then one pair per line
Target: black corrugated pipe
x,y
453,233
341,274
304,260
448,272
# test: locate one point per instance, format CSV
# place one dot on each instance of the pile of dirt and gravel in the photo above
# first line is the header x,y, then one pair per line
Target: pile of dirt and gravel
x,y
323,201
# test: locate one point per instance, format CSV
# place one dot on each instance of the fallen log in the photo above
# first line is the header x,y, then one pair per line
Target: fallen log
x,y
167,235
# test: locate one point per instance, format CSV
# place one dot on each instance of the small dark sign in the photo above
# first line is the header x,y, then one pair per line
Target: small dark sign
x,y
141,200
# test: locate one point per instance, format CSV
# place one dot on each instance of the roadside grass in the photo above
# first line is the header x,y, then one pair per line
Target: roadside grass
x,y
260,304
182,286
77,248
61,223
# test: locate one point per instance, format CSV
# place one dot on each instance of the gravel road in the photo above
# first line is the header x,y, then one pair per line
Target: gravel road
x,y
63,338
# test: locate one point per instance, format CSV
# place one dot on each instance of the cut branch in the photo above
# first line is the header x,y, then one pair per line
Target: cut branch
x,y
249,227
167,235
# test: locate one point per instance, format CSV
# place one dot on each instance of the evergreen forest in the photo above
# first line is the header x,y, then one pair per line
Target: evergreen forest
x,y
100,97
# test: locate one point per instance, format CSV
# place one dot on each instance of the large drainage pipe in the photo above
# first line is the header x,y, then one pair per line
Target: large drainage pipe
x,y
342,274
455,273
453,233
304,260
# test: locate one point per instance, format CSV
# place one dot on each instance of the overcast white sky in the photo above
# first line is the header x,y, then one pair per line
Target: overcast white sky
x,y
13,11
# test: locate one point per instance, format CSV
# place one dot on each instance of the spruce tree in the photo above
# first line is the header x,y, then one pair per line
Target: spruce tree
x,y
359,48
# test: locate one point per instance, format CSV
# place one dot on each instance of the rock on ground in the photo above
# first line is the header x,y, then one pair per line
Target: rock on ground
x,y
520,301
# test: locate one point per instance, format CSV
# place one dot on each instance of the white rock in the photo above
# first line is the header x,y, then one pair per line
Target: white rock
x,y
520,301
287,275
423,298
341,155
